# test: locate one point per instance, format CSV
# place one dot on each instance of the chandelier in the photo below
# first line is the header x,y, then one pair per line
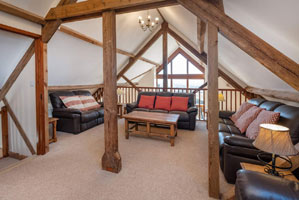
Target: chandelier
x,y
148,23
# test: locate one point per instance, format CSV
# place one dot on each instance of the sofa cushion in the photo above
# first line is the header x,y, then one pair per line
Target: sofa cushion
x,y
179,104
243,108
226,121
146,102
256,101
89,116
184,117
73,102
264,116
245,120
223,128
159,111
89,102
189,95
145,93
270,105
163,103
100,111
141,109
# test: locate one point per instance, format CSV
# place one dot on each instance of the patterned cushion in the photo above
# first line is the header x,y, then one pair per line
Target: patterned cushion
x,y
245,120
264,116
72,102
89,102
243,108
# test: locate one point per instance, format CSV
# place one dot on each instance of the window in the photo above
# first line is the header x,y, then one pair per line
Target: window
x,y
179,83
193,69
179,65
195,83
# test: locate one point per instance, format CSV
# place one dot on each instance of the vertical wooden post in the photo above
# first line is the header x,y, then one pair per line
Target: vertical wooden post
x,y
111,160
213,111
4,125
165,55
41,93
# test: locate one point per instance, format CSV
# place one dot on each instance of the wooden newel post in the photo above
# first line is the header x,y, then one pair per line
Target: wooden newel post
x,y
213,111
4,125
111,160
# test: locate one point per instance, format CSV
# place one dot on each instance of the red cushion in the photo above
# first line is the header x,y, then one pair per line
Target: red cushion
x,y
163,103
179,103
146,102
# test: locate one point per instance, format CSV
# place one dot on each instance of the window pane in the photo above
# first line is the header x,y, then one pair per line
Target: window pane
x,y
193,69
195,83
160,83
168,69
161,72
179,65
179,83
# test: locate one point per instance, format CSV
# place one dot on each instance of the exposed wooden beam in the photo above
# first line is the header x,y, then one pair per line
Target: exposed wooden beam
x,y
202,56
4,126
165,55
88,39
17,71
19,31
284,95
73,87
133,60
19,127
200,87
130,82
92,9
41,95
19,12
213,111
161,15
201,31
268,56
111,160
51,26
183,76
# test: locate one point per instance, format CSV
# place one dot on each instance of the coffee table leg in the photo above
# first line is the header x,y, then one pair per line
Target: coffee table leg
x,y
148,128
172,134
127,128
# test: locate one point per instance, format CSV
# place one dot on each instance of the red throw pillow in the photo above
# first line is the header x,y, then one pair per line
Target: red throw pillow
x,y
179,103
264,116
163,103
146,102
243,108
245,120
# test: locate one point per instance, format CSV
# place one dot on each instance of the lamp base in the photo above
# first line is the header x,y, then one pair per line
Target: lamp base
x,y
270,168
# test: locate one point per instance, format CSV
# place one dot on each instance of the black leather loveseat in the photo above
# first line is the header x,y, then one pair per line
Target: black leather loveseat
x,y
236,148
258,186
73,120
187,120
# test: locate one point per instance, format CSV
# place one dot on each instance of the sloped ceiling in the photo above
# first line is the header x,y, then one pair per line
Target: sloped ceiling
x,y
70,59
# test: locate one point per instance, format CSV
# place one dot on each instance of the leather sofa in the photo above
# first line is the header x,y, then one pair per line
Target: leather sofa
x,y
235,147
258,186
187,120
73,120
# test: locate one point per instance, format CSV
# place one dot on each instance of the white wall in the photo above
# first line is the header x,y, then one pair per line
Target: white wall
x,y
148,80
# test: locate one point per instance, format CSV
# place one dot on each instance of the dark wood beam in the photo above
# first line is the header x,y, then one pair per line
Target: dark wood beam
x,y
130,82
41,94
200,87
268,56
93,9
201,32
111,160
88,39
133,60
19,12
278,94
73,87
18,31
17,71
165,55
19,127
4,126
213,111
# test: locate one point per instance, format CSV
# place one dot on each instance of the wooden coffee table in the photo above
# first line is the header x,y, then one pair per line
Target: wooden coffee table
x,y
151,118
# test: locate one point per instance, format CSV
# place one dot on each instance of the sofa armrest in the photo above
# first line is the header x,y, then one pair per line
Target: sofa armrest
x,y
254,185
225,114
192,109
132,105
239,141
66,113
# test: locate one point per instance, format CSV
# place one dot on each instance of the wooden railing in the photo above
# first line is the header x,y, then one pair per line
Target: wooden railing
x,y
233,97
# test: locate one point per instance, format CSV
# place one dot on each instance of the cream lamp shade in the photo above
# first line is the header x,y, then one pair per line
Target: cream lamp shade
x,y
119,92
275,139
220,97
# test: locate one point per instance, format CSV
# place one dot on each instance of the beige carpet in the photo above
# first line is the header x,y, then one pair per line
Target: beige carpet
x,y
152,170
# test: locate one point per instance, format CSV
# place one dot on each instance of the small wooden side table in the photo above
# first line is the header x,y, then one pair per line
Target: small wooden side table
x,y
120,110
53,121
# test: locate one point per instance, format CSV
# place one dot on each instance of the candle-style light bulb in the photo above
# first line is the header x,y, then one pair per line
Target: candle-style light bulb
x,y
153,23
157,19
142,22
149,17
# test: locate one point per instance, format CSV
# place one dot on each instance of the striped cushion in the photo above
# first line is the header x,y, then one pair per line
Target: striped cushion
x,y
89,102
72,102
268,117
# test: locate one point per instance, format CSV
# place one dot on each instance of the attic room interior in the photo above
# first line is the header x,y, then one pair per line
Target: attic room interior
x,y
149,99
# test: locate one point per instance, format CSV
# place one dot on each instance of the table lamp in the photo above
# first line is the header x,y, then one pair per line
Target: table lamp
x,y
275,139
220,97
